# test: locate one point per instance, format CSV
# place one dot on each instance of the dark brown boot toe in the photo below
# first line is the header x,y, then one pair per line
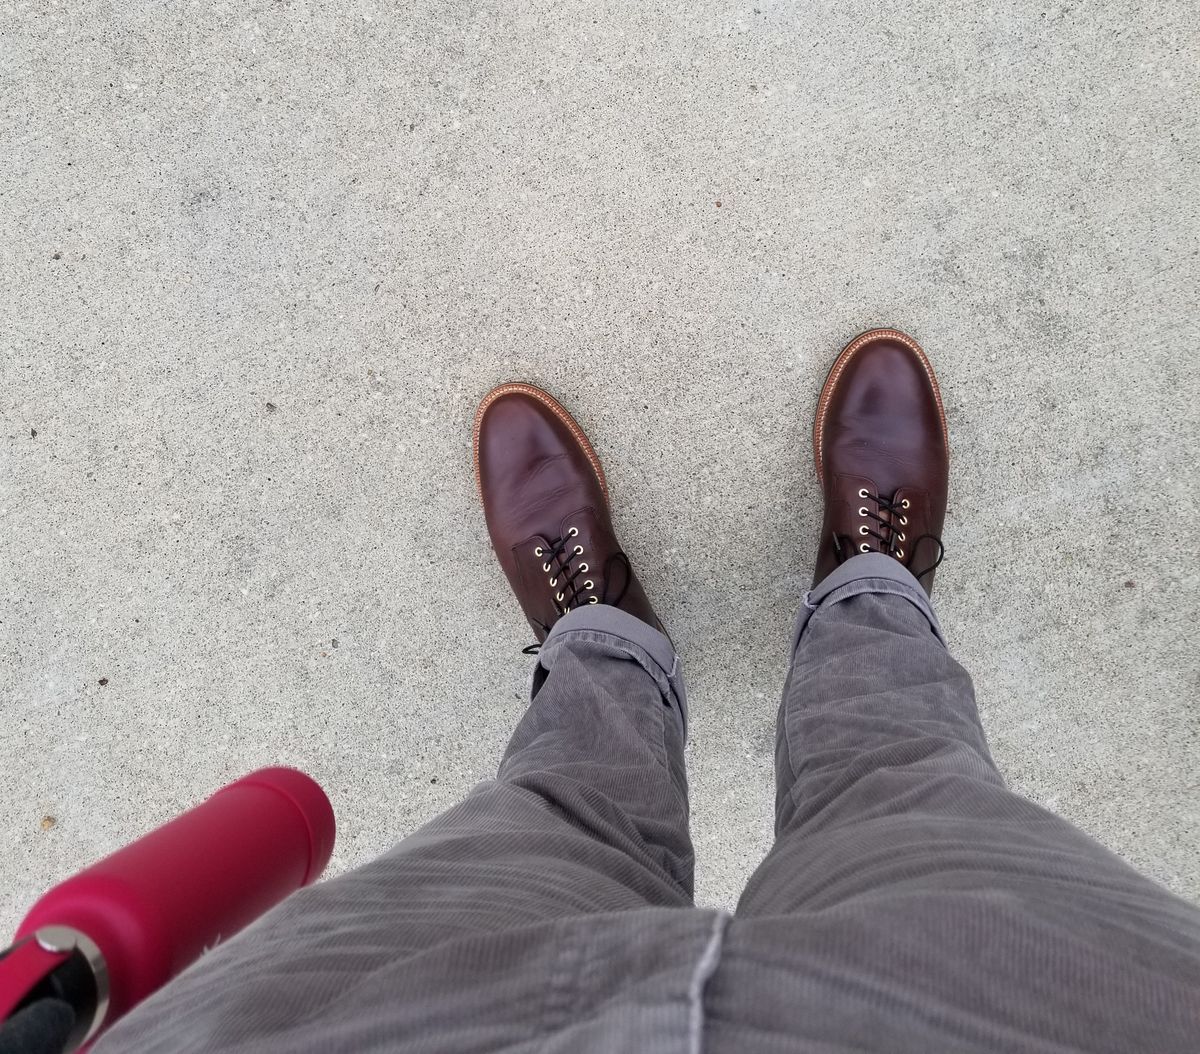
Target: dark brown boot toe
x,y
545,499
882,455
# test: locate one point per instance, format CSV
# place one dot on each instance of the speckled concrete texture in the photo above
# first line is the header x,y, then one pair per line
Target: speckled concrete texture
x,y
260,261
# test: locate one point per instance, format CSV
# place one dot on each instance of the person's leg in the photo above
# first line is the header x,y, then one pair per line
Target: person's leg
x,y
475,920
877,729
482,918
884,780
589,811
911,901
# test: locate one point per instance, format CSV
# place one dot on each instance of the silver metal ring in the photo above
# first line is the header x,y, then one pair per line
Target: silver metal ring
x,y
69,939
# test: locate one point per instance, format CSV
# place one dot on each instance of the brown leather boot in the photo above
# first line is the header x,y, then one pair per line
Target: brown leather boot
x,y
883,456
546,503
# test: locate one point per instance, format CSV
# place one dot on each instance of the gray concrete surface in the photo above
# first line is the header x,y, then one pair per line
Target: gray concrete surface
x,y
259,261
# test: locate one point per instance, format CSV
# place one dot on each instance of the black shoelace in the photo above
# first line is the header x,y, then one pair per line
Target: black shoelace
x,y
571,589
891,536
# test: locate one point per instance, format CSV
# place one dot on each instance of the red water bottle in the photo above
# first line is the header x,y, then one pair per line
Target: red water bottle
x,y
116,932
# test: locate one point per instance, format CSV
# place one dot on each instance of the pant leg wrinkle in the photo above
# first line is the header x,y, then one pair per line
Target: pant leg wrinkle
x,y
909,893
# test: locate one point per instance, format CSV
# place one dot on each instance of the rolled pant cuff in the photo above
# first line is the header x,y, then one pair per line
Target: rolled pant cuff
x,y
866,573
645,645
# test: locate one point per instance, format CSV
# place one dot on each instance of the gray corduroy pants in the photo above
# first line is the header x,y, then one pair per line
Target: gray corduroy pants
x,y
910,903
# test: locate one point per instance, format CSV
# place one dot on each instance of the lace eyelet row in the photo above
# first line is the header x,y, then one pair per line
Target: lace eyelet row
x,y
865,528
589,584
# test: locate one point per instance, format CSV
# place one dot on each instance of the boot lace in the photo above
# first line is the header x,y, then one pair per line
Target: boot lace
x,y
887,531
565,569
564,579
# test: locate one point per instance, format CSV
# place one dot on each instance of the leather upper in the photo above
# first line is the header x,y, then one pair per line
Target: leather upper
x,y
542,485
882,455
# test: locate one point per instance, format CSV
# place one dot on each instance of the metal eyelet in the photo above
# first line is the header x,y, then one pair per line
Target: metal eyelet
x,y
864,548
573,532
902,538
579,550
899,554
589,584
539,551
863,529
863,493
553,583
593,600
558,597
903,521
906,504
862,511
545,567
583,568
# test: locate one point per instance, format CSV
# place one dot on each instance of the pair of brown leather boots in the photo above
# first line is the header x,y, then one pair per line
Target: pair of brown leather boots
x,y
882,458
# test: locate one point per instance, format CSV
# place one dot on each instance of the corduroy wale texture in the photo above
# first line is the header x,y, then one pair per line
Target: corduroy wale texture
x,y
911,902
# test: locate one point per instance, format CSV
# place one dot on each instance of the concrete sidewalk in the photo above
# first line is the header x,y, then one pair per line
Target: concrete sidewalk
x,y
260,261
